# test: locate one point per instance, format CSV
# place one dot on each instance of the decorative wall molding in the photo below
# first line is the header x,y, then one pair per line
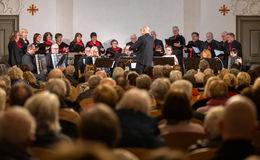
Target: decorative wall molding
x,y
245,7
10,7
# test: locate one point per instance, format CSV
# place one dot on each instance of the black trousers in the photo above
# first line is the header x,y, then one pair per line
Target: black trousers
x,y
139,68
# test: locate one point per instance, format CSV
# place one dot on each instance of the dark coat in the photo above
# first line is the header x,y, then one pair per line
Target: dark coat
x,y
29,60
15,54
138,130
145,49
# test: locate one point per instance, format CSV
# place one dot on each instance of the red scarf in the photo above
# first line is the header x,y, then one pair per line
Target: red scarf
x,y
97,43
117,49
174,37
18,43
209,47
191,53
48,43
79,43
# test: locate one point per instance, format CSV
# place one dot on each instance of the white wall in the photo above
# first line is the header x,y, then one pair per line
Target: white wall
x,y
120,18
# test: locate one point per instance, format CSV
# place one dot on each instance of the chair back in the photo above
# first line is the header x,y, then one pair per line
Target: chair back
x,y
204,153
141,153
69,115
182,140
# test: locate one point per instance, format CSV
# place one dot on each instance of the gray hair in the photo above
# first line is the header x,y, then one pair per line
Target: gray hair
x,y
45,112
56,86
2,99
175,75
30,47
133,97
16,125
199,77
184,85
160,87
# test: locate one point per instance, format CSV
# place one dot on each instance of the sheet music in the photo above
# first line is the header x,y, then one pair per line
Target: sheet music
x,y
196,49
218,52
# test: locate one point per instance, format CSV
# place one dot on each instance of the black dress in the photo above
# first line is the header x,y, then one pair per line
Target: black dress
x,y
76,47
199,44
15,53
98,44
178,51
113,51
62,46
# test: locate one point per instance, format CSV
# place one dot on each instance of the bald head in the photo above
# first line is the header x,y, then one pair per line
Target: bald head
x,y
17,126
102,74
240,120
145,30
108,81
55,73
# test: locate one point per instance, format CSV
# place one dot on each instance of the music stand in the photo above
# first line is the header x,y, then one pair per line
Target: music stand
x,y
104,63
191,63
163,61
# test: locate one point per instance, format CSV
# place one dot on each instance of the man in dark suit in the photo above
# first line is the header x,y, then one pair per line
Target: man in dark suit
x,y
28,59
145,50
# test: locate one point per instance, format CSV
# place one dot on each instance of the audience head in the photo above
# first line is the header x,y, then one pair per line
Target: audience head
x,y
208,71
15,73
177,67
94,81
224,36
184,85
131,78
256,86
213,117
158,71
230,80
101,124
176,106
218,89
55,73
159,88
222,73
108,81
143,82
239,120
175,75
122,82
243,79
17,127
45,112
57,86
70,70
133,97
2,99
29,78
19,93
199,78
203,65
102,74
118,71
105,94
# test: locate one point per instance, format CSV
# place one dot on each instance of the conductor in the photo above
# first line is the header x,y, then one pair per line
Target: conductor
x,y
144,55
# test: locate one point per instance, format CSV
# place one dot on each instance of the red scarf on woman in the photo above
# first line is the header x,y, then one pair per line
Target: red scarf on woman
x,y
48,42
97,43
80,43
18,43
117,49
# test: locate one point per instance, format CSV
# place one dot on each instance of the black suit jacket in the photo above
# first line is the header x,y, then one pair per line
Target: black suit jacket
x,y
144,54
235,44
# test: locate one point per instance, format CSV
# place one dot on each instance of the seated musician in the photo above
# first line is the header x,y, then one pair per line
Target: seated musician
x,y
206,53
114,50
234,59
169,53
133,39
94,42
54,50
63,47
158,47
84,60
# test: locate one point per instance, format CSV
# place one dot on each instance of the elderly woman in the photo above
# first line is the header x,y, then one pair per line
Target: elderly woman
x,y
218,93
138,129
231,81
211,125
114,50
177,111
23,39
16,74
15,49
46,114
243,81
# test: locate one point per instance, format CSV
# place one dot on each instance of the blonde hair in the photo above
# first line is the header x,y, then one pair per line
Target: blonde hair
x,y
256,86
206,88
44,106
15,73
2,99
29,77
184,85
105,94
56,86
158,71
23,30
175,75
223,72
118,71
243,78
133,97
218,89
207,52
230,80
199,77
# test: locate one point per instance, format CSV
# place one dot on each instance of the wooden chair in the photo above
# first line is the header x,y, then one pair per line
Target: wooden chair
x,y
69,115
141,153
155,113
204,153
182,140
256,140
74,93
85,102
197,121
42,153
